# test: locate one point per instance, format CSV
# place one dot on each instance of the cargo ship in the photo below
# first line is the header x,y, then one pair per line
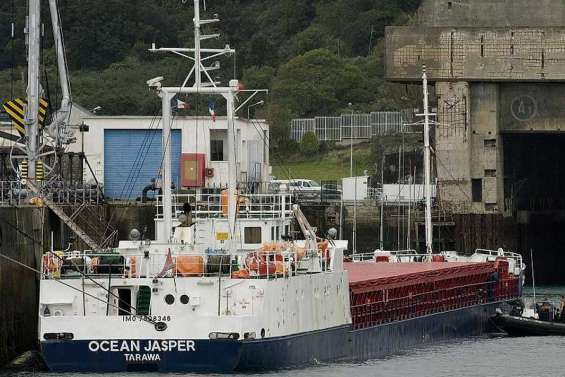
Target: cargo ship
x,y
199,298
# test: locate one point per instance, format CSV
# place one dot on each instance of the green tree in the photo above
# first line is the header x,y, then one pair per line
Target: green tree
x,y
309,145
316,83
279,118
258,77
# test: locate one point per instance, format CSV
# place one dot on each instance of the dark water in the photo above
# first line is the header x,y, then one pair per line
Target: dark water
x,y
496,357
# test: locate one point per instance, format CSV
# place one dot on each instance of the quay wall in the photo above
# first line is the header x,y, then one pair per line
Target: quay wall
x,y
20,239
25,232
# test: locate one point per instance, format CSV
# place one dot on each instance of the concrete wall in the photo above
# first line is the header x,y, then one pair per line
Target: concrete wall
x,y
491,13
475,53
20,239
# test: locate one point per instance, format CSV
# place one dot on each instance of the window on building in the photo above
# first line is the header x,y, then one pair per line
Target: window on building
x,y
491,207
490,143
217,150
490,172
477,190
252,234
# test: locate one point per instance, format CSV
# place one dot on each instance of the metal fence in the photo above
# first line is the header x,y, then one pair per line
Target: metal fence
x,y
350,126
17,193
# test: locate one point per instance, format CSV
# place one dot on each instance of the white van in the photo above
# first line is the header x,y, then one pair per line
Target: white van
x,y
305,188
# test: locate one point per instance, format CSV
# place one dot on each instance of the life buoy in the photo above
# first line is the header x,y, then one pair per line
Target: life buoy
x,y
241,274
50,264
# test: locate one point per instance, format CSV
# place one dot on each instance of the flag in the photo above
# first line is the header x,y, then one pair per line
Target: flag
x,y
182,105
169,264
211,106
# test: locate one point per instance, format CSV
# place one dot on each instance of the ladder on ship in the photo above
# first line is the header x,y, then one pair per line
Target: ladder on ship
x,y
80,214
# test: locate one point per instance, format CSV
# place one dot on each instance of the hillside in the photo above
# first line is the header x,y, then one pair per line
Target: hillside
x,y
333,165
315,56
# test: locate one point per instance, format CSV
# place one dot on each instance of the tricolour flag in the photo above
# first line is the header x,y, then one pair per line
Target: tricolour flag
x,y
169,264
211,106
182,105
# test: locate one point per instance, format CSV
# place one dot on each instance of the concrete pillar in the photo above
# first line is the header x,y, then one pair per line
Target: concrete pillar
x,y
486,161
453,144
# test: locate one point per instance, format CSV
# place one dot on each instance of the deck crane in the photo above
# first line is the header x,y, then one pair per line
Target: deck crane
x,y
314,260
34,155
308,230
37,147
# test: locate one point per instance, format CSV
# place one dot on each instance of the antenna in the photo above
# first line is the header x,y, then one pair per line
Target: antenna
x,y
427,164
533,276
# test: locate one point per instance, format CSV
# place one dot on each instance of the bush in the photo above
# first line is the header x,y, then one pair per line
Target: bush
x,y
309,145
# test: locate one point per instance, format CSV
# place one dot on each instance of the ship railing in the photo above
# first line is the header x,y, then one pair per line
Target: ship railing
x,y
404,256
501,253
17,193
249,206
78,264
367,310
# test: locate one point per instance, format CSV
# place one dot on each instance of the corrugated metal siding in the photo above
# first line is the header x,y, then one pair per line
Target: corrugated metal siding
x,y
132,158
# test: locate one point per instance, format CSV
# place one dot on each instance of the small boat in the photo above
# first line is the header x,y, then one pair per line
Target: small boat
x,y
549,321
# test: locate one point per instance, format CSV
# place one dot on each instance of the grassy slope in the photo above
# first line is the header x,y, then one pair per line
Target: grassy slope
x,y
333,165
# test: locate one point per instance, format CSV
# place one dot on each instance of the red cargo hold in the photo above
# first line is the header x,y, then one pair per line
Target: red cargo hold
x,y
386,292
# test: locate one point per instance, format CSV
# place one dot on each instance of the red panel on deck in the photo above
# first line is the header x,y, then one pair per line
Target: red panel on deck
x,y
193,168
365,276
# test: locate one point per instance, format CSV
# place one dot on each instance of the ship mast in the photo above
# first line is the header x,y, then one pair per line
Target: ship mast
x,y
207,86
427,164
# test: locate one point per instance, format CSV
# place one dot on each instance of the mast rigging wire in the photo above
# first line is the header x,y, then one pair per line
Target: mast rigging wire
x,y
142,318
32,239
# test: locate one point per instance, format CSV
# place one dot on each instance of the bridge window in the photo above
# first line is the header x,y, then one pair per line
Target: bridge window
x,y
252,234
124,301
